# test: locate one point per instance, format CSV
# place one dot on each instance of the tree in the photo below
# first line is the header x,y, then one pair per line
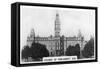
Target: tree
x,y
73,51
77,50
88,50
70,51
26,52
39,51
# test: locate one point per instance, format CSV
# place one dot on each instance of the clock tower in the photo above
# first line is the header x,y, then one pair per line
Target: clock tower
x,y
57,26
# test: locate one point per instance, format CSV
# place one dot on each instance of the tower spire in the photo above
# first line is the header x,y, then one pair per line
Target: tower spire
x,y
57,25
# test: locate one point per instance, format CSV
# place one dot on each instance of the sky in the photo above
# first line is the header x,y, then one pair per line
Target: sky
x,y
42,20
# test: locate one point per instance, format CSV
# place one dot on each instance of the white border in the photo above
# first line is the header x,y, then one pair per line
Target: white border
x,y
55,9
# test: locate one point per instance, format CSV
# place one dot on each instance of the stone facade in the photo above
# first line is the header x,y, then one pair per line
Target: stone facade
x,y
57,44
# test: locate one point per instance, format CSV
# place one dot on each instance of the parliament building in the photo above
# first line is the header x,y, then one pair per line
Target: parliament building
x,y
56,44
